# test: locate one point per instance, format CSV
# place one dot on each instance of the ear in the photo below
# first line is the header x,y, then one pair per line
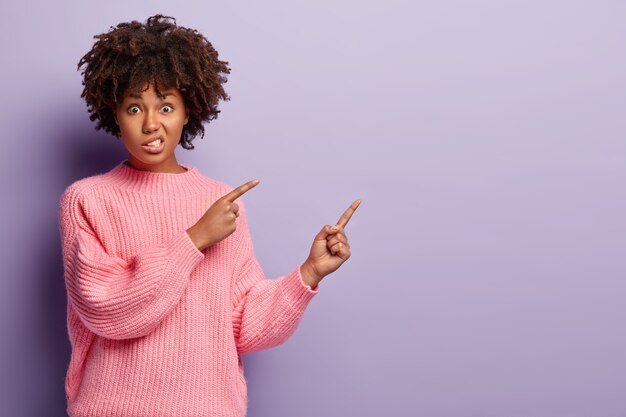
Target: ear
x,y
186,118
115,117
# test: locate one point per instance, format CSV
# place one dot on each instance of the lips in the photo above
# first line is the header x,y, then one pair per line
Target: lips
x,y
152,140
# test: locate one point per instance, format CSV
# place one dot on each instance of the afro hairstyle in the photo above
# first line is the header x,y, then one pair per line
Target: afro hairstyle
x,y
133,55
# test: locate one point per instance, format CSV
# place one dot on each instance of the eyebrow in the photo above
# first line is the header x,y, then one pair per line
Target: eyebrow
x,y
162,96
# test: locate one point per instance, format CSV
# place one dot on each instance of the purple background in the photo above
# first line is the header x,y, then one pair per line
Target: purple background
x,y
486,139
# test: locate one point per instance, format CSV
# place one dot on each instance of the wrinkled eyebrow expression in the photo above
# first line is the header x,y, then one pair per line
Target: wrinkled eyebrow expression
x,y
139,96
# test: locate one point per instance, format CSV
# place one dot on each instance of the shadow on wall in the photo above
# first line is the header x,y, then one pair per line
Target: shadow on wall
x,y
80,151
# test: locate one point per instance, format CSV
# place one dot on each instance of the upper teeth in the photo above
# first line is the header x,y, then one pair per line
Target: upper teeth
x,y
155,143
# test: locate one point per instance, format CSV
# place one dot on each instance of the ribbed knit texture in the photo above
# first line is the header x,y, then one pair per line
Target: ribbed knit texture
x,y
157,326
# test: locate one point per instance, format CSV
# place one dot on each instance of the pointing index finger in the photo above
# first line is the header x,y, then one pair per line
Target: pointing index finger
x,y
345,217
241,190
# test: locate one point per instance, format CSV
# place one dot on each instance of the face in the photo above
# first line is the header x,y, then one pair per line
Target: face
x,y
144,118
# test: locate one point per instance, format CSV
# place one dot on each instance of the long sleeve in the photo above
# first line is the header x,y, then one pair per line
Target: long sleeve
x,y
115,298
148,311
266,312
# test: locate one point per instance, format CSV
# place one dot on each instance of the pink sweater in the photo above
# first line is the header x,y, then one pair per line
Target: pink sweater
x,y
158,327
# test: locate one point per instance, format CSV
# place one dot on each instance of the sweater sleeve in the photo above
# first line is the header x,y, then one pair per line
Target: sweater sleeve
x,y
115,298
266,311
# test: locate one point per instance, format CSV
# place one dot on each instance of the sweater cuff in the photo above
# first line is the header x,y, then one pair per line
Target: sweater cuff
x,y
185,256
185,253
296,292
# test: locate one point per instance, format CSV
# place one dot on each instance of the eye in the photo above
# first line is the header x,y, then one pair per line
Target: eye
x,y
167,108
133,109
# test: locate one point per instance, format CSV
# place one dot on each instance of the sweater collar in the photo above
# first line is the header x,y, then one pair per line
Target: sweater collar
x,y
146,182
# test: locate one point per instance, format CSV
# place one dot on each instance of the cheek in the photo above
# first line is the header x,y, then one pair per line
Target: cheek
x,y
130,126
175,125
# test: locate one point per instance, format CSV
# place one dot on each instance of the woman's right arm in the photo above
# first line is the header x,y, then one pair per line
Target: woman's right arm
x,y
114,298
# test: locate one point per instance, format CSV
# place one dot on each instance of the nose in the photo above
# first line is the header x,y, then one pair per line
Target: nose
x,y
151,122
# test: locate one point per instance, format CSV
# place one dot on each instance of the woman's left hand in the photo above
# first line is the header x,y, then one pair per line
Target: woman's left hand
x,y
329,251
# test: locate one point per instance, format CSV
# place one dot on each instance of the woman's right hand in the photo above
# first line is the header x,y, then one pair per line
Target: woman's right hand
x,y
218,222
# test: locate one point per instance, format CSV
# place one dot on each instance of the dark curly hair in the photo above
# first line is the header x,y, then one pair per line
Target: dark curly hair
x,y
132,55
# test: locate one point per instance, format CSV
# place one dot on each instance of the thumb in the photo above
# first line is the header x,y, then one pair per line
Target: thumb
x,y
325,232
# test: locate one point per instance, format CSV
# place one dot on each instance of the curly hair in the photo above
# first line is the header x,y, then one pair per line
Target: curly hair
x,y
130,56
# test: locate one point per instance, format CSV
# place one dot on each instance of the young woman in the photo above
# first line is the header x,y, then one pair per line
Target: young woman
x,y
164,291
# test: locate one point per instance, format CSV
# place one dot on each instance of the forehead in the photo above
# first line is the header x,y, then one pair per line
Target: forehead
x,y
150,91
164,94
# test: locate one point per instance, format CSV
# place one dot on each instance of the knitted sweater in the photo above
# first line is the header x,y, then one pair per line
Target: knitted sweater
x,y
157,327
